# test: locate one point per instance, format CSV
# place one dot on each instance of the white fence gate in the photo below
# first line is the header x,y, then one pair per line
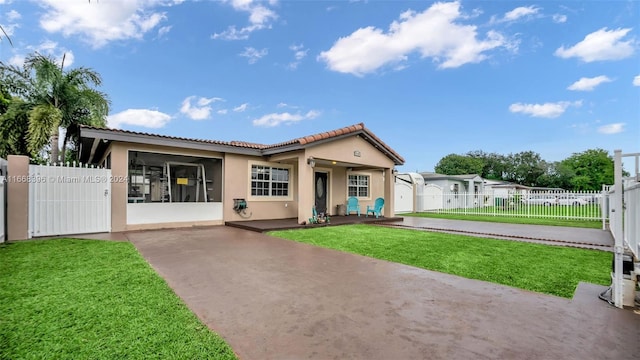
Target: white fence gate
x,y
66,200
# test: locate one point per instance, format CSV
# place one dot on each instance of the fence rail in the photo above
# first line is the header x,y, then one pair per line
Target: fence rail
x,y
584,205
632,218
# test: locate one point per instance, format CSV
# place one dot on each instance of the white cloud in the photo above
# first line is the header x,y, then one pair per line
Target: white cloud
x,y
588,84
599,46
241,108
299,53
275,119
16,60
260,18
100,22
611,128
13,15
164,31
559,18
222,111
636,80
546,110
518,13
368,49
48,48
197,108
138,117
253,54
285,105
9,27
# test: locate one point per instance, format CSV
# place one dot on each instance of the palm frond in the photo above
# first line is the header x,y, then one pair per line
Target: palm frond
x,y
43,121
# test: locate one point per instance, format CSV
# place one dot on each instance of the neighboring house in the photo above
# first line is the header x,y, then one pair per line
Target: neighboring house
x,y
161,181
468,186
471,183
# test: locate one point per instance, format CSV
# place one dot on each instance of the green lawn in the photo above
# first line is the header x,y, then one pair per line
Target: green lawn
x,y
541,268
85,299
591,224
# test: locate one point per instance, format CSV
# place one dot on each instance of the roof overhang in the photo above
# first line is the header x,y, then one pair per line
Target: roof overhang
x,y
91,149
363,134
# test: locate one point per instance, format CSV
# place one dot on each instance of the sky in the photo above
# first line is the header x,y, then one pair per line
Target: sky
x,y
428,78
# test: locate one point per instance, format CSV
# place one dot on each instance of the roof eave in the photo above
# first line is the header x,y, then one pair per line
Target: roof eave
x,y
109,135
298,146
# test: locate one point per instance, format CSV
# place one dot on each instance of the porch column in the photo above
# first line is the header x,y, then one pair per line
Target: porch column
x,y
389,190
305,189
17,197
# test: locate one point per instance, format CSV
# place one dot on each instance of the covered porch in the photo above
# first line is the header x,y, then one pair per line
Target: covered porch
x,y
292,223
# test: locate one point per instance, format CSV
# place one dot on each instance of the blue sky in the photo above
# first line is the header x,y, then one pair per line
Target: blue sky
x,y
429,78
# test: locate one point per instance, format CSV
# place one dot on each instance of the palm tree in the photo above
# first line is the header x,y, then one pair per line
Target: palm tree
x,y
57,98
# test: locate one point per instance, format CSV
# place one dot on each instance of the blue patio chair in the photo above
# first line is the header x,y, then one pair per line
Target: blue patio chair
x,y
314,219
352,205
376,209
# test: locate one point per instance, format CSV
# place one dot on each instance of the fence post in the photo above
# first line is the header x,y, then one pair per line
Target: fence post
x,y
618,247
17,197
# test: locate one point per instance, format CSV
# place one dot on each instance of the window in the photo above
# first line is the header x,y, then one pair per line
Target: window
x,y
171,178
269,181
358,185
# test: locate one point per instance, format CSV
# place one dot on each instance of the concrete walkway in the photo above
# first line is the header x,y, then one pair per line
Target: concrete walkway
x,y
277,299
552,235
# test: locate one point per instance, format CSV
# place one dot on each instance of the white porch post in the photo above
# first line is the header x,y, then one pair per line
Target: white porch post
x,y
305,189
389,190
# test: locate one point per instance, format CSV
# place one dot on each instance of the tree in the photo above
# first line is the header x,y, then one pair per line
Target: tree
x,y
590,168
524,168
14,126
493,164
454,164
57,98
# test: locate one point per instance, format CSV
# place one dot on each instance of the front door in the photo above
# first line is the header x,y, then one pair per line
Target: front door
x,y
321,192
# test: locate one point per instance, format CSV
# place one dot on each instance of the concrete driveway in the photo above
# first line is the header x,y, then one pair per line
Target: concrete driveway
x,y
278,299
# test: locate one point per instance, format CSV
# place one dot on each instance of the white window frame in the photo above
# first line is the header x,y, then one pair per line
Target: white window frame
x,y
270,197
369,176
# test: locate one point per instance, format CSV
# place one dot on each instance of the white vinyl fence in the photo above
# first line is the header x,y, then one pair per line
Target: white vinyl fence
x,y
632,218
2,207
67,200
584,205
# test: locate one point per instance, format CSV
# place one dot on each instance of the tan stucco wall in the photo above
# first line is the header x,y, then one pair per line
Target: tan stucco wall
x,y
17,197
119,167
237,185
344,150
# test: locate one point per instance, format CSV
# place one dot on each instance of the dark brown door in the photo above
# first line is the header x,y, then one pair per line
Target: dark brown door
x,y
321,192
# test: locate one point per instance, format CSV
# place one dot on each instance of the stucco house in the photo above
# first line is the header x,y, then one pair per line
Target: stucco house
x,y
162,181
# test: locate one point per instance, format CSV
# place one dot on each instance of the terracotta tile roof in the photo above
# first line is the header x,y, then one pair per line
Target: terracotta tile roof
x,y
305,140
302,141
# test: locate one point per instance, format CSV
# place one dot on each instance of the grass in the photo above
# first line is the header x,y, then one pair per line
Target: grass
x,y
86,299
540,268
591,224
